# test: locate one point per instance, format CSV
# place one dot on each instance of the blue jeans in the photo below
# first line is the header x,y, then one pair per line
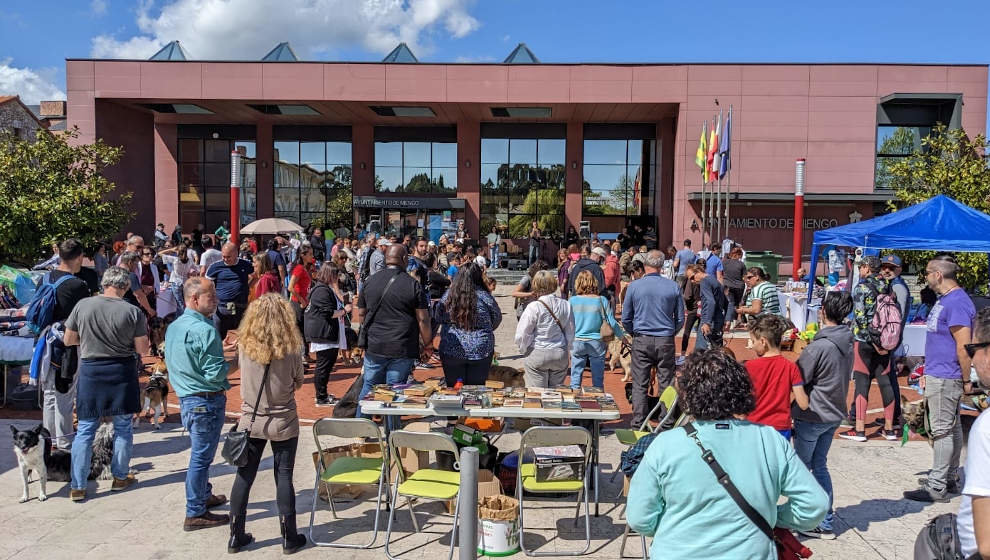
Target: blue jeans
x,y
82,448
594,351
378,370
493,255
811,443
534,252
202,417
180,302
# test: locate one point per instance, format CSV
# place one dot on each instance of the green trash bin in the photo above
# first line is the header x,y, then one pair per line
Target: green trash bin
x,y
767,260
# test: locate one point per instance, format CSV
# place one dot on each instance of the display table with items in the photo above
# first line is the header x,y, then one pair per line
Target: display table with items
x,y
796,307
493,400
16,344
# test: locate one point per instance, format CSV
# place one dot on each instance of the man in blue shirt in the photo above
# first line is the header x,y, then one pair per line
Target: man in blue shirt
x,y
682,259
713,263
230,276
278,262
652,312
197,372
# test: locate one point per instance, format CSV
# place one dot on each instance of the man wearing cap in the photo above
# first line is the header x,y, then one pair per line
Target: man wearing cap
x,y
590,263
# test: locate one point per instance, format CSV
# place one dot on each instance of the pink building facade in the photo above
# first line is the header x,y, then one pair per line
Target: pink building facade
x,y
423,145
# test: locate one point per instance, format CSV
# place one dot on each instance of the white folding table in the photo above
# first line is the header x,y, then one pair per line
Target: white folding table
x,y
596,417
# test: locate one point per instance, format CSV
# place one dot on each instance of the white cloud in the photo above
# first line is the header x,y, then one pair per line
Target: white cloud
x,y
220,29
98,7
33,86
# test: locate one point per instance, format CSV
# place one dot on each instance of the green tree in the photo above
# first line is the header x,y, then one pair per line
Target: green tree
x,y
903,141
950,163
52,190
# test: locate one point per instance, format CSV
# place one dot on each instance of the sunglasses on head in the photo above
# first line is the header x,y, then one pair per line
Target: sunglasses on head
x,y
972,348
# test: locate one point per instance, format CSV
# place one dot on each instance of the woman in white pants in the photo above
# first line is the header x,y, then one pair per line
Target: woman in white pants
x,y
544,334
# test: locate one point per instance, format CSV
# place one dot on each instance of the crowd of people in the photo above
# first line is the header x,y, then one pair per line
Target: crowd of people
x,y
404,300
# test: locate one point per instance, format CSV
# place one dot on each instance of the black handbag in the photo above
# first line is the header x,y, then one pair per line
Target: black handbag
x,y
236,447
362,336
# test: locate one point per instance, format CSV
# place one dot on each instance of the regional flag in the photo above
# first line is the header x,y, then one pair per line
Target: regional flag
x,y
725,146
701,156
712,149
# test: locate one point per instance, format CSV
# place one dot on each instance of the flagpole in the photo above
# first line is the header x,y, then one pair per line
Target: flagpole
x,y
704,184
718,177
728,176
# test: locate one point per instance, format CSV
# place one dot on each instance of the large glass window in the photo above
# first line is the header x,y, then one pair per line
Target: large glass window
x,y
522,181
204,182
894,143
313,183
619,177
416,167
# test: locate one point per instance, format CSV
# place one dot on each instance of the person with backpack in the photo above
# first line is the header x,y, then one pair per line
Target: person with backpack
x,y
52,304
874,311
890,268
713,263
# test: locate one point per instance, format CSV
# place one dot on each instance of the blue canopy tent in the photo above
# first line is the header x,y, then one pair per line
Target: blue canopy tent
x,y
938,224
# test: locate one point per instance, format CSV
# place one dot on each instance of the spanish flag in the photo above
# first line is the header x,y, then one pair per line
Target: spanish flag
x,y
712,170
701,157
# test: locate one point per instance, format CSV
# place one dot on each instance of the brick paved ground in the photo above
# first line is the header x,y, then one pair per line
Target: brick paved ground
x,y
873,520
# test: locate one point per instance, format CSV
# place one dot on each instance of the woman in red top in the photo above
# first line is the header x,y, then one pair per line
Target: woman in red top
x,y
268,281
299,283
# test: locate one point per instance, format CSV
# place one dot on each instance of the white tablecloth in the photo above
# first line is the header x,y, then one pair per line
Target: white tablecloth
x,y
793,306
16,349
914,340
166,302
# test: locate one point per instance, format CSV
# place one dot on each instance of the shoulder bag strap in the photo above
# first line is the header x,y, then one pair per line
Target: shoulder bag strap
x,y
261,389
726,482
556,320
371,315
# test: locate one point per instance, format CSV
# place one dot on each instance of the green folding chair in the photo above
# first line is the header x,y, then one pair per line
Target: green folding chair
x,y
425,484
365,471
629,437
545,436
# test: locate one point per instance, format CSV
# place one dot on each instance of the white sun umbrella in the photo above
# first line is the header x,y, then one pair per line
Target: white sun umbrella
x,y
271,226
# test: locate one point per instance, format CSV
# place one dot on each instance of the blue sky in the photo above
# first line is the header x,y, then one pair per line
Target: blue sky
x,y
36,37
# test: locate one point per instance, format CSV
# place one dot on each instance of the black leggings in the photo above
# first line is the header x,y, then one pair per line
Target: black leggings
x,y
735,297
692,318
284,454
868,364
470,372
325,359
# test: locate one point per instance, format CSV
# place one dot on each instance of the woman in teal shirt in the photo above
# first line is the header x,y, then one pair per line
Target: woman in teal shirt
x,y
675,497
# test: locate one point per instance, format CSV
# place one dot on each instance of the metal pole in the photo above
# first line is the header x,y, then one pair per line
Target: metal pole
x,y
798,215
704,226
235,197
718,210
467,497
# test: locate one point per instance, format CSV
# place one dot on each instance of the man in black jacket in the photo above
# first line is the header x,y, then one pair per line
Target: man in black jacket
x,y
591,262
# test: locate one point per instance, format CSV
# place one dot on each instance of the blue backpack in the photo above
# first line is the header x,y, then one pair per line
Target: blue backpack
x,y
41,310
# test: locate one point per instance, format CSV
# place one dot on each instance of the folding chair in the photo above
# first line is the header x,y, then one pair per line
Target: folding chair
x,y
543,436
626,532
629,437
426,484
366,471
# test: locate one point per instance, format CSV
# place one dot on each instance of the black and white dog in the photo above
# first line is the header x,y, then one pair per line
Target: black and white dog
x,y
34,452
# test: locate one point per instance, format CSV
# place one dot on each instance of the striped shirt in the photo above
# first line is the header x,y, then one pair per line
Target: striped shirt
x,y
767,294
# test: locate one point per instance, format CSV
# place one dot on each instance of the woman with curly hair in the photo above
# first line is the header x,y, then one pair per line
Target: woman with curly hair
x,y
269,339
468,316
674,495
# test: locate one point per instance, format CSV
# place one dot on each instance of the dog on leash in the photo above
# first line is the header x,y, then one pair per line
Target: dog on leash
x,y
156,333
155,395
34,452
620,353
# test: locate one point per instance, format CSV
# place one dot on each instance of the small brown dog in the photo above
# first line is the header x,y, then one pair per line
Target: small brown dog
x,y
155,395
510,376
620,353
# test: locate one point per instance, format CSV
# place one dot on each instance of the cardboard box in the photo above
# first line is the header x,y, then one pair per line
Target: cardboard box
x,y
559,463
799,345
488,485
